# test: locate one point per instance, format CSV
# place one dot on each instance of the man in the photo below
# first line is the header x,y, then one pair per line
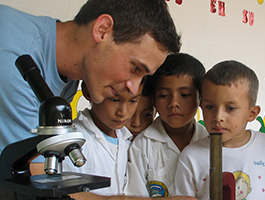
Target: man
x,y
111,45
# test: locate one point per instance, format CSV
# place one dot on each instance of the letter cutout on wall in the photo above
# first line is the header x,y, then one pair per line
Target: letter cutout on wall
x,y
248,17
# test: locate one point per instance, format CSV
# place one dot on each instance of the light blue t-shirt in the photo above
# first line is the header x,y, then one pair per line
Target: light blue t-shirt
x,y
22,33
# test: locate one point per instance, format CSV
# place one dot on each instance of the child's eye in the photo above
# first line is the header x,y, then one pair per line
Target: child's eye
x,y
231,108
163,95
185,95
208,107
134,100
114,100
150,114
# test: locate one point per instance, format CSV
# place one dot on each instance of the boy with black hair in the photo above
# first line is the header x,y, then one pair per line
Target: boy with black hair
x,y
153,155
145,111
107,139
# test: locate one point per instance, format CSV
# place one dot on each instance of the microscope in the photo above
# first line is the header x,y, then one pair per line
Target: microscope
x,y
55,139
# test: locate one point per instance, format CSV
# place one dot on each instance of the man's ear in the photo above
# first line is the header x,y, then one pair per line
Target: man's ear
x,y
254,111
85,91
102,26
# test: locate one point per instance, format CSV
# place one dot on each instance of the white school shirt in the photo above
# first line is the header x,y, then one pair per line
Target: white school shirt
x,y
153,159
247,163
100,157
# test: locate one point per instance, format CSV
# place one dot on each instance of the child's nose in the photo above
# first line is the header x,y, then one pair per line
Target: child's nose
x,y
219,115
136,122
122,110
174,102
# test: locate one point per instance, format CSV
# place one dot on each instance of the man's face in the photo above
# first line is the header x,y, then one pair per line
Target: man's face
x,y
115,68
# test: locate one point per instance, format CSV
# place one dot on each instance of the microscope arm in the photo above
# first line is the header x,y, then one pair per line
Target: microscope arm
x,y
16,157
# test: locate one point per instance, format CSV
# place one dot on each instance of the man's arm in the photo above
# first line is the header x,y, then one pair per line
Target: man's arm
x,y
91,196
38,168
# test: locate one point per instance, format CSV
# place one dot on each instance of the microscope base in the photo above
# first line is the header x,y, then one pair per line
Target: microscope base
x,y
42,187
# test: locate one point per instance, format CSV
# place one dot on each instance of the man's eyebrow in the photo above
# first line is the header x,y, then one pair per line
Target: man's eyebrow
x,y
145,67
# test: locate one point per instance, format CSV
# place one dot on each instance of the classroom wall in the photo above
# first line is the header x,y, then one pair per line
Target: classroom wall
x,y
211,30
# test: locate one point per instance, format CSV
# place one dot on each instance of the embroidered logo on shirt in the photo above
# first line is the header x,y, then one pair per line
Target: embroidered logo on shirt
x,y
157,189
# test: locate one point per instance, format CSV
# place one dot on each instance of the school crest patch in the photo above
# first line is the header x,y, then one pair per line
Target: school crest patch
x,y
157,189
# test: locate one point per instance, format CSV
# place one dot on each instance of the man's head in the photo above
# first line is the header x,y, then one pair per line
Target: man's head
x,y
133,19
130,40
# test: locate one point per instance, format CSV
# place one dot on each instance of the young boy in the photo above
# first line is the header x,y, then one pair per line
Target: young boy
x,y
229,94
145,112
107,139
153,156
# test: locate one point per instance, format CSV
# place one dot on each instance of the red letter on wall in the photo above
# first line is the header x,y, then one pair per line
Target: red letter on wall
x,y
251,18
213,6
179,2
221,8
245,16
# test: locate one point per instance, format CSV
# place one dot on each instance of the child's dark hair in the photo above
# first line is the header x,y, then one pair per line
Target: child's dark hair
x,y
180,64
230,72
147,88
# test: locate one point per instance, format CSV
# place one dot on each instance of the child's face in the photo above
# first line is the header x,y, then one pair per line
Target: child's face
x,y
143,116
176,100
226,110
113,113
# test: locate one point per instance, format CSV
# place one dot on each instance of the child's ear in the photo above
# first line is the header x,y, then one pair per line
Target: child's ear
x,y
254,111
85,91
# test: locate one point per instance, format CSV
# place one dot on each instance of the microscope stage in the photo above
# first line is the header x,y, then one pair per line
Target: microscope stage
x,y
56,185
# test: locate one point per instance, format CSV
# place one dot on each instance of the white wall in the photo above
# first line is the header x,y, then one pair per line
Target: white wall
x,y
206,35
61,9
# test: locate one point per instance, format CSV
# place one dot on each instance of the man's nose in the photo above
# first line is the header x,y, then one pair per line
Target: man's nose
x,y
133,85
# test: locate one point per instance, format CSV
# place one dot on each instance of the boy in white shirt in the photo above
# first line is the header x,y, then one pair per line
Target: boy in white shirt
x,y
153,155
107,139
229,94
145,112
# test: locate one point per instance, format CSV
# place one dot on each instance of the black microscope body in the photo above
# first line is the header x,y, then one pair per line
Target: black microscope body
x,y
56,138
